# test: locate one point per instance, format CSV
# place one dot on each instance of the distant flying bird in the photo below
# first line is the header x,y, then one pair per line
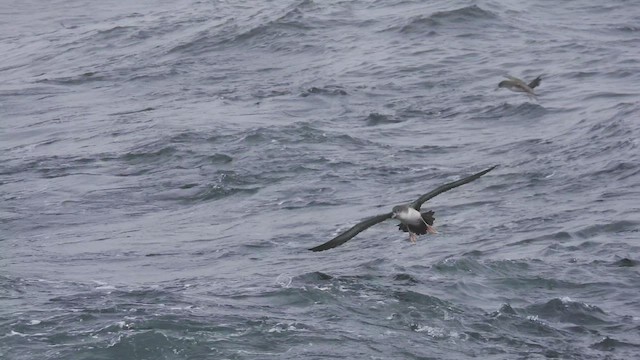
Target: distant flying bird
x,y
411,220
517,85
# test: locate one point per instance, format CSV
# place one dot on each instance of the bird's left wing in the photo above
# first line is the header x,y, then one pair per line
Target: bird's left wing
x,y
535,82
355,230
446,187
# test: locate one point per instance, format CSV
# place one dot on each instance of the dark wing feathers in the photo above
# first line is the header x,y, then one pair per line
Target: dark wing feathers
x,y
355,230
535,82
446,187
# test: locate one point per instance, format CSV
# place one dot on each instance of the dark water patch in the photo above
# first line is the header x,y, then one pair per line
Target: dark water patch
x,y
582,74
205,40
327,90
162,254
374,119
132,111
625,262
389,170
508,318
405,278
610,228
622,73
625,28
313,277
218,159
192,138
623,170
510,267
537,146
265,94
539,282
292,20
505,309
609,95
557,236
430,149
300,133
185,151
609,344
567,311
532,225
115,32
147,155
620,169
573,249
147,344
110,39
527,111
108,299
52,166
303,204
474,253
85,78
257,246
424,301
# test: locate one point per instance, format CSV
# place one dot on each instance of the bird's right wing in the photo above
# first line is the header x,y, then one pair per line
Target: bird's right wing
x,y
355,230
446,187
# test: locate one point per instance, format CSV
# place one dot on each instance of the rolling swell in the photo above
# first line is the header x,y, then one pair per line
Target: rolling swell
x,y
469,16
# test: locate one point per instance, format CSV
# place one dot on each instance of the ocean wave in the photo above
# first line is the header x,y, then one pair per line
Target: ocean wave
x,y
566,310
468,16
257,30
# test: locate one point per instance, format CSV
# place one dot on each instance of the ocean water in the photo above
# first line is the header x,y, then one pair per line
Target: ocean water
x,y
165,165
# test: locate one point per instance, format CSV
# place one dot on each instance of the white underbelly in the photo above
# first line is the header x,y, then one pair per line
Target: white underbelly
x,y
412,217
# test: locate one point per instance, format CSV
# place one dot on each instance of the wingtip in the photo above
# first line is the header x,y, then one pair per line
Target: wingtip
x,y
483,172
319,248
489,169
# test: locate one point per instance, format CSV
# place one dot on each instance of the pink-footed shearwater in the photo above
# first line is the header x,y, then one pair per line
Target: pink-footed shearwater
x,y
411,220
517,85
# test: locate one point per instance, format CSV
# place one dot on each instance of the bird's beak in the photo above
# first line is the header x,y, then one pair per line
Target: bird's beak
x,y
394,216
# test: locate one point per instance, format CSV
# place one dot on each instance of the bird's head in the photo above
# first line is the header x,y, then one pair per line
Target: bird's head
x,y
503,83
397,210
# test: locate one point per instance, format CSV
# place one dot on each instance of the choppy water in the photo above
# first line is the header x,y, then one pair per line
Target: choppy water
x,y
164,166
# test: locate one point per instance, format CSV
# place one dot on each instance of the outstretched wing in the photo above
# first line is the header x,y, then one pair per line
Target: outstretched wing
x,y
516,80
446,187
535,82
355,230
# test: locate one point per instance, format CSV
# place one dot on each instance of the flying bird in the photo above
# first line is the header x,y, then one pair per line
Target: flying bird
x,y
411,219
517,85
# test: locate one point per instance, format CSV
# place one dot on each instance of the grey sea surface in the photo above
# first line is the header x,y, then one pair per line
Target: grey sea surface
x,y
165,165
